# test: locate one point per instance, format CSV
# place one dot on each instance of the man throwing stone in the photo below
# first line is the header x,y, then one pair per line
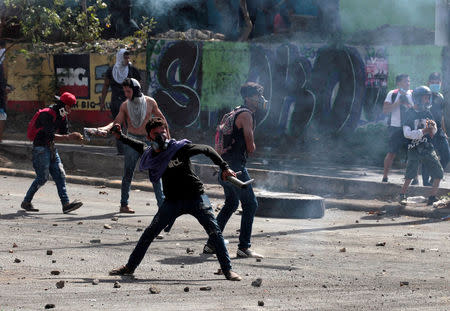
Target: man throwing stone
x,y
169,160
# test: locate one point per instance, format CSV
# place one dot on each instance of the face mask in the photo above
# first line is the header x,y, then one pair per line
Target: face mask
x,y
63,112
160,143
262,103
435,88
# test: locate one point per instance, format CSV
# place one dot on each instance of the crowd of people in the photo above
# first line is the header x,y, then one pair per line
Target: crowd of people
x,y
415,123
147,140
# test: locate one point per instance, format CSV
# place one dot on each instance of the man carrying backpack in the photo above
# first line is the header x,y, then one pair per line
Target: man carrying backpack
x,y
47,126
234,147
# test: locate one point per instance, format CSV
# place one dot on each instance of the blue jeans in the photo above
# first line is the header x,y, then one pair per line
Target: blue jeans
x,y
45,163
249,204
131,158
169,211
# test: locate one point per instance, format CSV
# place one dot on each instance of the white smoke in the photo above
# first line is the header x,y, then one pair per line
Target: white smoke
x,y
160,7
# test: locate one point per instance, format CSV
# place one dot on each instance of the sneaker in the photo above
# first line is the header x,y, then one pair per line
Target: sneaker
x,y
385,179
208,249
232,276
69,207
248,253
402,199
415,181
126,209
122,270
431,200
28,207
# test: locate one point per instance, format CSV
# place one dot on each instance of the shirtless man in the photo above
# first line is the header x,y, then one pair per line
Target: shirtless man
x,y
135,111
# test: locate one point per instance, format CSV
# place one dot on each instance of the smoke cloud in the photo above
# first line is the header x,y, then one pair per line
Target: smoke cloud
x,y
161,7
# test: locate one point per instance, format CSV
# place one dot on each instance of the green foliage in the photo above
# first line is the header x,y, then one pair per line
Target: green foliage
x,y
51,20
146,27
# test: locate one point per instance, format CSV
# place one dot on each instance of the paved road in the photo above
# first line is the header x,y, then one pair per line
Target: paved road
x,y
305,268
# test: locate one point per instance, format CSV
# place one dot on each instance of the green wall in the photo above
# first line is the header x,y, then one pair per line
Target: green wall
x,y
417,61
357,15
225,68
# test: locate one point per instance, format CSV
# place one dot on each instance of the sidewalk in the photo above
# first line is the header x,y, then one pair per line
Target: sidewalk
x,y
342,186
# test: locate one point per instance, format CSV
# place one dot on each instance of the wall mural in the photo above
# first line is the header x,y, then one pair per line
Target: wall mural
x,y
175,80
326,88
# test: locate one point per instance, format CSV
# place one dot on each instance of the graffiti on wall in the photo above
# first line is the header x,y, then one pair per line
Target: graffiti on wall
x,y
175,80
72,72
376,82
307,86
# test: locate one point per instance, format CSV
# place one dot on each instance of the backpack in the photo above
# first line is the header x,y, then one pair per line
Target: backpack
x,y
224,132
32,129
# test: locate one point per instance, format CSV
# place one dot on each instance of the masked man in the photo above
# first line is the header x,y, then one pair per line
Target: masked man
x,y
50,126
236,156
135,111
169,160
419,129
114,78
439,140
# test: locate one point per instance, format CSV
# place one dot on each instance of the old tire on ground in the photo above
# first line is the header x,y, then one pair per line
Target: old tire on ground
x,y
289,205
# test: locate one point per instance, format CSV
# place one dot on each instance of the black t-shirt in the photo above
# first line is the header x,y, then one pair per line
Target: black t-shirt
x,y
179,180
416,120
117,94
49,127
237,155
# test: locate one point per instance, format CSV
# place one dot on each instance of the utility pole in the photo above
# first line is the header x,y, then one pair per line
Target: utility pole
x,y
442,25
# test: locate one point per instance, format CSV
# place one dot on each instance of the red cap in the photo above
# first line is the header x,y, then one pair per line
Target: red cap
x,y
68,99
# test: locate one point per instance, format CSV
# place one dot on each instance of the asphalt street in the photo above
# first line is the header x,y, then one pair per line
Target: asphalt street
x,y
347,260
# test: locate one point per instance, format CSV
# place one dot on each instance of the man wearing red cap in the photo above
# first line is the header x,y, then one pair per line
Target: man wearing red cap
x,y
50,126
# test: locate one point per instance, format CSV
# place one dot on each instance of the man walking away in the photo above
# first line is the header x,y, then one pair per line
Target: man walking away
x,y
48,126
241,145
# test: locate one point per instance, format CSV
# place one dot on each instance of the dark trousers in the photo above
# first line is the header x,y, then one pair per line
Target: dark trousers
x,y
169,211
441,146
234,195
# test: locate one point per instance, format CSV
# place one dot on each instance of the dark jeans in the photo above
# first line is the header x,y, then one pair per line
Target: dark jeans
x,y
249,204
131,157
46,162
440,144
169,211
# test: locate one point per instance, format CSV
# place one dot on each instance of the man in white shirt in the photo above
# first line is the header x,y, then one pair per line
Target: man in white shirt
x,y
396,104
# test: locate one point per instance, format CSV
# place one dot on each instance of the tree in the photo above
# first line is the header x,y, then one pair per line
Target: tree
x,y
50,20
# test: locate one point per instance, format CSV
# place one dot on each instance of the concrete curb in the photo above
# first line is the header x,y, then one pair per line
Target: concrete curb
x,y
83,158
374,207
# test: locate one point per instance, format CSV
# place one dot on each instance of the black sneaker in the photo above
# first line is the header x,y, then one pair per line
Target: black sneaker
x,y
208,249
247,253
415,182
385,179
402,199
69,207
431,200
122,270
28,207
